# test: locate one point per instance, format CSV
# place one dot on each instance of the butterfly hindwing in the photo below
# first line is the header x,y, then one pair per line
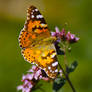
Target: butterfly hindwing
x,y
44,55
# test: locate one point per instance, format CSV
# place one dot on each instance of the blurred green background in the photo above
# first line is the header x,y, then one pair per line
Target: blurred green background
x,y
76,13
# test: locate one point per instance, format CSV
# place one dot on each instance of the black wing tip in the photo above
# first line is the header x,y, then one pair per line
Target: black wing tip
x,y
32,7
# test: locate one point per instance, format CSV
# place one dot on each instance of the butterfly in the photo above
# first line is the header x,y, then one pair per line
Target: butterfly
x,y
35,45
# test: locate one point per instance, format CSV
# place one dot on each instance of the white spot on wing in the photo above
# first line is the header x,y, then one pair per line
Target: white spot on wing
x,y
32,10
28,14
49,67
28,18
36,9
43,24
55,64
53,72
39,16
50,70
32,16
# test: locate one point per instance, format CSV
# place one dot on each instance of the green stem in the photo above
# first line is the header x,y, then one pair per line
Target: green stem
x,y
67,78
65,59
66,67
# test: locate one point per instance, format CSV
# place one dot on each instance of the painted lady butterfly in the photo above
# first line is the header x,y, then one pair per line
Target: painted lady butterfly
x,y
36,48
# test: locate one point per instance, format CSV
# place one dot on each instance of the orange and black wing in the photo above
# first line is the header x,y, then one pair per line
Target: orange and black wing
x,y
35,47
35,28
44,56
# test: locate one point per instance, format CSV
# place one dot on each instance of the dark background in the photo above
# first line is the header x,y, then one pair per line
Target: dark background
x,y
78,16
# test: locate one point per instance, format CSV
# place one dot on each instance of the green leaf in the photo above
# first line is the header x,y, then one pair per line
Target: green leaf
x,y
72,67
58,83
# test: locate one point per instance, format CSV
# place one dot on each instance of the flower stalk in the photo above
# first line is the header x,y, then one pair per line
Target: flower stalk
x,y
67,77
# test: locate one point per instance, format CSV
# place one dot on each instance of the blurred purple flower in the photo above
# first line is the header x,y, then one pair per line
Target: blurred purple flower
x,y
71,38
26,87
57,33
27,76
38,74
32,69
31,78
63,36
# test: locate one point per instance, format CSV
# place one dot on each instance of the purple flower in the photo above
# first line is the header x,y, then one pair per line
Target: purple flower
x,y
27,76
37,74
32,69
62,36
20,87
26,87
31,78
71,38
57,33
